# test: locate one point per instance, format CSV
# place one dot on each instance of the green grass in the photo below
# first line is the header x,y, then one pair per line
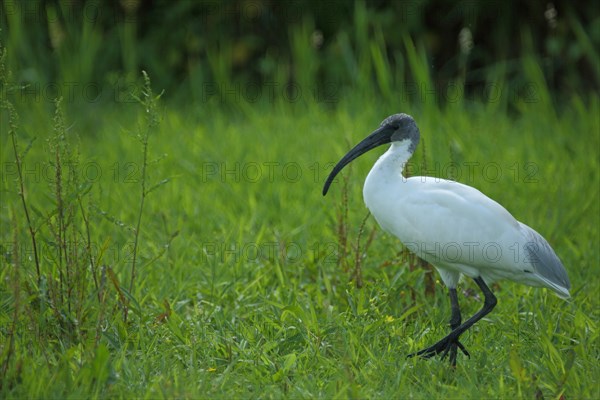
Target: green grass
x,y
188,252
248,297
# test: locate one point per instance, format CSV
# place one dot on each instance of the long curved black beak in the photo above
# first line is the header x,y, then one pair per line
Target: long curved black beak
x,y
381,136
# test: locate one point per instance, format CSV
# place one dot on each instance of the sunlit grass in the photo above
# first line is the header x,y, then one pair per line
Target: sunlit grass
x,y
249,301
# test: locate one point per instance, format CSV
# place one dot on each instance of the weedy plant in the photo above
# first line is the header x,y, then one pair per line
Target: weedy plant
x,y
59,285
150,104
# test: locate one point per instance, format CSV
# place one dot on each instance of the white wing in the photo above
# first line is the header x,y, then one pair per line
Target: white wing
x,y
458,229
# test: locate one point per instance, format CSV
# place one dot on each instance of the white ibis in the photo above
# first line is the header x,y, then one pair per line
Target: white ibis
x,y
454,227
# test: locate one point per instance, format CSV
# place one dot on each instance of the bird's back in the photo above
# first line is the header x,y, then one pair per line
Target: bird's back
x,y
458,229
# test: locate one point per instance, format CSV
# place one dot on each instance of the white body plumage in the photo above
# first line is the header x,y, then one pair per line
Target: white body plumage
x,y
458,229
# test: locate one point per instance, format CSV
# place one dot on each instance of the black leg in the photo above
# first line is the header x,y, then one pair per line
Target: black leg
x,y
455,320
450,343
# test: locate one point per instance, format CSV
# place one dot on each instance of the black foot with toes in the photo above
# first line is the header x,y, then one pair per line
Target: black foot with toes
x,y
446,346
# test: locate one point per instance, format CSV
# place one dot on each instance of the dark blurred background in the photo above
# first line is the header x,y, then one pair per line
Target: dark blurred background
x,y
208,50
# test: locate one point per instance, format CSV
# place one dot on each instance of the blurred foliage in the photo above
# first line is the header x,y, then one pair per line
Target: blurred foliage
x,y
258,49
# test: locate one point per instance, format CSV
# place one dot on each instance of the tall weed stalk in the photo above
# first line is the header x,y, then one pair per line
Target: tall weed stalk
x,y
150,104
